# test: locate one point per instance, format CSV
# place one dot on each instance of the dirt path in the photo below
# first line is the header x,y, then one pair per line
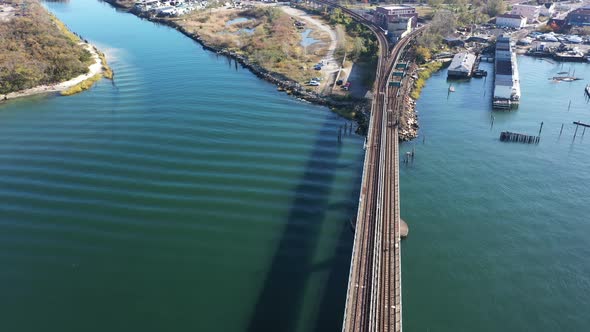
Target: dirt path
x,y
319,24
330,64
95,68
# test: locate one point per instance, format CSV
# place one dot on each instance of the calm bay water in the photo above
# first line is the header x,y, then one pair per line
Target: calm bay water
x,y
498,231
192,196
188,196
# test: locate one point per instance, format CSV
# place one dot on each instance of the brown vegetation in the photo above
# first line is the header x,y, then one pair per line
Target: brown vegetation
x,y
274,43
38,49
84,85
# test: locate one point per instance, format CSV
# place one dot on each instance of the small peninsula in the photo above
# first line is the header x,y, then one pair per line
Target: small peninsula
x,y
41,55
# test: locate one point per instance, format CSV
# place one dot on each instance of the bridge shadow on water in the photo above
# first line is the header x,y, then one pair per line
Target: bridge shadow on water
x,y
281,301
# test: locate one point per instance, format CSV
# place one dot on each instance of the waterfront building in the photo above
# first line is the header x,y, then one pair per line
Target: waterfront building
x,y
511,21
385,14
531,13
462,65
506,76
579,17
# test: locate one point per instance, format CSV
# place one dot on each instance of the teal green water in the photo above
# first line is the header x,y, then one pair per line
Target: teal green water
x,y
188,196
191,196
498,231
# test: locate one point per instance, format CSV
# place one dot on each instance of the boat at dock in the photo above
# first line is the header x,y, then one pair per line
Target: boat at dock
x,y
565,78
451,88
587,90
506,76
480,73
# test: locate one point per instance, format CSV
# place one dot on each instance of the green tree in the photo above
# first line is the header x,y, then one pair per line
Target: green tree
x,y
495,7
422,54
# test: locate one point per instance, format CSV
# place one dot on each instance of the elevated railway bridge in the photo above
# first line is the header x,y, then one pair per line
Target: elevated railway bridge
x,y
374,300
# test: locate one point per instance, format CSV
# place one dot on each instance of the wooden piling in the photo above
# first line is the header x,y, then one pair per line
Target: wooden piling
x,y
561,131
507,136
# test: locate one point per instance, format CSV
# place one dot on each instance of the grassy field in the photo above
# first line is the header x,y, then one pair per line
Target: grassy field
x,y
268,38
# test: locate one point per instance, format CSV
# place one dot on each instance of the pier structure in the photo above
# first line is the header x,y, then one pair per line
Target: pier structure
x,y
506,76
373,298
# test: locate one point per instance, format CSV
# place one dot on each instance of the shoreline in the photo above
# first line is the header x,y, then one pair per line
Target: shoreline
x,y
94,69
359,109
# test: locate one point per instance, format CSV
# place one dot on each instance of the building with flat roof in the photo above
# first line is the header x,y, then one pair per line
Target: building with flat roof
x,y
510,20
531,13
462,65
385,14
506,76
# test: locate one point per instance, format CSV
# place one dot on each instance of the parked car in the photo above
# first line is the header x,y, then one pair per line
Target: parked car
x,y
339,82
346,86
313,83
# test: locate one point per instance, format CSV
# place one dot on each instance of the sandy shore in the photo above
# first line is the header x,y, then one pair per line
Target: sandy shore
x,y
95,68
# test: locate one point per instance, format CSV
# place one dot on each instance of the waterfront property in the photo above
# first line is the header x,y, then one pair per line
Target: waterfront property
x,y
579,17
530,12
397,20
547,9
168,8
462,65
510,21
506,77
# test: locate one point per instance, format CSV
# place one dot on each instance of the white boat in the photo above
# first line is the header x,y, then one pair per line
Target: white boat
x,y
451,88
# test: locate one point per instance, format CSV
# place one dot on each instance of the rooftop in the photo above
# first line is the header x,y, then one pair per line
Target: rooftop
x,y
503,67
462,62
395,7
511,16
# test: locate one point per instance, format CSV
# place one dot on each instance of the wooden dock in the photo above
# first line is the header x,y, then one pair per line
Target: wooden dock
x,y
507,136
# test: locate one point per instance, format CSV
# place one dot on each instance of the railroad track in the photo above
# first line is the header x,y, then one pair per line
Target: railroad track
x,y
373,301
